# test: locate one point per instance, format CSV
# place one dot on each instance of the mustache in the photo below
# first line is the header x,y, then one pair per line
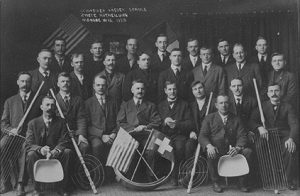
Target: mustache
x,y
274,96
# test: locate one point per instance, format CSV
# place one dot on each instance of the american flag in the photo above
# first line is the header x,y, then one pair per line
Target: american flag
x,y
72,30
122,151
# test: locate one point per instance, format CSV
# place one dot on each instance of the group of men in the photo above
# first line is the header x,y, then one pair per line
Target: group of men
x,y
142,91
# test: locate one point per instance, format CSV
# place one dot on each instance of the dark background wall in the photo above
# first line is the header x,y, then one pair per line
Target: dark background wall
x,y
26,24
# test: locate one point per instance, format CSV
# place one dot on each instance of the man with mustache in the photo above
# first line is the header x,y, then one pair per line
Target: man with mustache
x,y
177,124
47,135
115,79
219,131
14,110
72,107
44,73
225,57
193,60
281,115
61,63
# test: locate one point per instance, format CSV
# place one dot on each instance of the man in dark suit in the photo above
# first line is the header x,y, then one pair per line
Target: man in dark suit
x,y
101,113
72,107
198,108
14,110
220,130
115,79
244,70
144,73
61,63
81,82
137,116
160,60
128,62
177,124
213,76
48,135
94,64
284,78
262,58
281,115
225,57
44,73
181,77
193,60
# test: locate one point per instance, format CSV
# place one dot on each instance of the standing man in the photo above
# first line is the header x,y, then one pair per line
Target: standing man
x,y
244,70
48,135
44,73
284,78
177,124
175,73
115,79
95,63
144,73
160,59
72,107
193,60
212,75
281,115
220,130
225,57
129,62
137,116
14,110
61,62
101,113
81,82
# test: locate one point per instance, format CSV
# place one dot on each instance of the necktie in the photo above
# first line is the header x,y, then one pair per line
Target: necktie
x,y
238,102
162,57
171,102
194,61
102,102
66,100
224,61
274,108
25,102
81,79
47,123
225,120
240,67
46,75
138,103
205,70
177,73
60,63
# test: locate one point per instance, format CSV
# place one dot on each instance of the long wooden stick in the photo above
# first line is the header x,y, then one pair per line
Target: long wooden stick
x,y
198,150
87,173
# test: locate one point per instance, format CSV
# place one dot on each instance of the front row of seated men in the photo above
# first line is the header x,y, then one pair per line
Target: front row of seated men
x,y
173,117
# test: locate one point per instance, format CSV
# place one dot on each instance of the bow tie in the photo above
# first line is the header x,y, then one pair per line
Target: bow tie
x,y
171,102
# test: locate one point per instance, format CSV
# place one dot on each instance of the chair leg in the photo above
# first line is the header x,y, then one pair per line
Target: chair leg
x,y
226,180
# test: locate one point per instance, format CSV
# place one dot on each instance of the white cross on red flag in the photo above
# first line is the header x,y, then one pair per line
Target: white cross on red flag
x,y
162,144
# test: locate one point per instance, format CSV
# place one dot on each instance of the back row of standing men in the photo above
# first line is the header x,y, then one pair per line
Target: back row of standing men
x,y
161,72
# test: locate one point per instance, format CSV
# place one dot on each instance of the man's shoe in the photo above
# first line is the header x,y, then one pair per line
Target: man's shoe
x,y
20,190
6,188
36,193
217,188
174,182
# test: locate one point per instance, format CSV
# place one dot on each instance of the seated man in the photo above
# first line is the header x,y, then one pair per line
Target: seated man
x,y
48,134
137,116
101,113
220,130
177,118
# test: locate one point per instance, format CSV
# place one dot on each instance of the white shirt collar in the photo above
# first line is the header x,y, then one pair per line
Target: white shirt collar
x,y
173,67
79,76
136,100
47,120
223,117
63,96
200,103
42,71
240,97
207,65
160,53
242,64
100,96
27,94
259,56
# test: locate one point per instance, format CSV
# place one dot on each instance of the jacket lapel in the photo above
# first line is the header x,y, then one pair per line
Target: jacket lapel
x,y
210,71
280,77
19,103
142,107
61,103
175,108
244,69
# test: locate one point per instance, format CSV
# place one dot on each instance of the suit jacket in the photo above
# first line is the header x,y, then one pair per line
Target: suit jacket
x,y
287,82
248,72
198,116
188,65
129,117
285,119
74,114
214,80
66,67
57,137
180,112
214,132
123,65
99,120
183,83
14,112
265,67
218,60
37,79
248,105
115,86
157,65
93,67
82,90
150,80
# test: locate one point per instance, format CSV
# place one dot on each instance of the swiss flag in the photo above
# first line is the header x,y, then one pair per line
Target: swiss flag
x,y
162,144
